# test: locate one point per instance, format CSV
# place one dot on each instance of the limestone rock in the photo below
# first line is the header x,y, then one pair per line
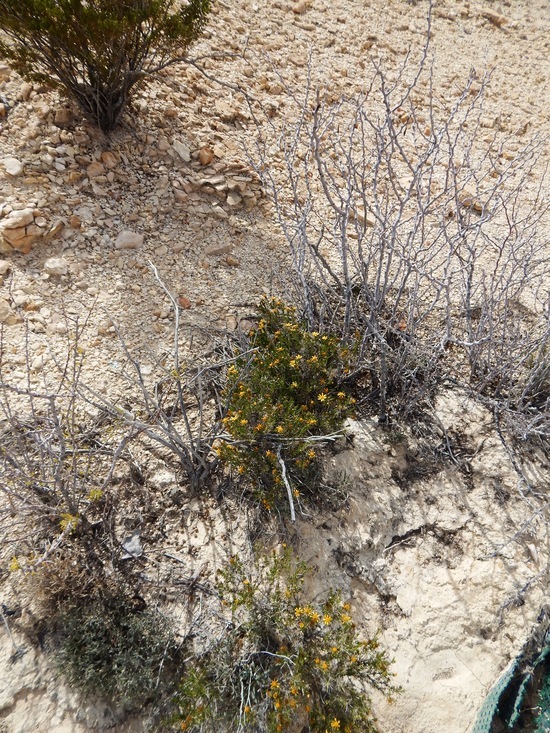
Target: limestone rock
x,y
56,266
5,267
95,169
5,72
7,315
12,166
206,155
128,240
109,159
182,150
215,250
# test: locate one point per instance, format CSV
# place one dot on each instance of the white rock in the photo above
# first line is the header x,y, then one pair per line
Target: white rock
x,y
5,72
16,219
5,267
128,240
233,199
13,166
220,213
182,150
56,266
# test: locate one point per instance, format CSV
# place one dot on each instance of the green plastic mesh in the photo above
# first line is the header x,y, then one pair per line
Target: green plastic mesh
x,y
485,716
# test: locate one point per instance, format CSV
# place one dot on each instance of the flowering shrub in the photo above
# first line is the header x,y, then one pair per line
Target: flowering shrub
x,y
284,664
284,394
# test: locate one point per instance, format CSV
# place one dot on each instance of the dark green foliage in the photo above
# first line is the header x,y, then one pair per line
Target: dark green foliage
x,y
98,51
109,648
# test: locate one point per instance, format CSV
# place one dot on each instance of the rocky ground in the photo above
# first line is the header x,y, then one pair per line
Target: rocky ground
x,y
82,215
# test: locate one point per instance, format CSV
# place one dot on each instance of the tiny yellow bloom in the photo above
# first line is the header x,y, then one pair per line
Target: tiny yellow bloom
x,y
311,453
321,397
335,724
341,395
294,384
345,618
327,619
274,684
247,709
279,429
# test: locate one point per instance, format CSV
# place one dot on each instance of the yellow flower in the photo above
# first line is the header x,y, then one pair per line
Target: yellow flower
x,y
346,618
311,453
296,493
321,397
244,422
294,384
334,649
247,709
315,617
324,665
335,724
313,359
327,619
279,429
274,684
341,395
346,607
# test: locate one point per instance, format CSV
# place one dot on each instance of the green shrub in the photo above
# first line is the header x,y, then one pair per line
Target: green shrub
x,y
98,51
283,663
107,647
284,395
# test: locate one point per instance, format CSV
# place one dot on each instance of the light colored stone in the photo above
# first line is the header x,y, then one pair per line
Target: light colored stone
x,y
56,266
5,72
18,218
5,267
215,250
25,91
182,150
220,213
233,199
12,166
128,240
232,261
7,316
